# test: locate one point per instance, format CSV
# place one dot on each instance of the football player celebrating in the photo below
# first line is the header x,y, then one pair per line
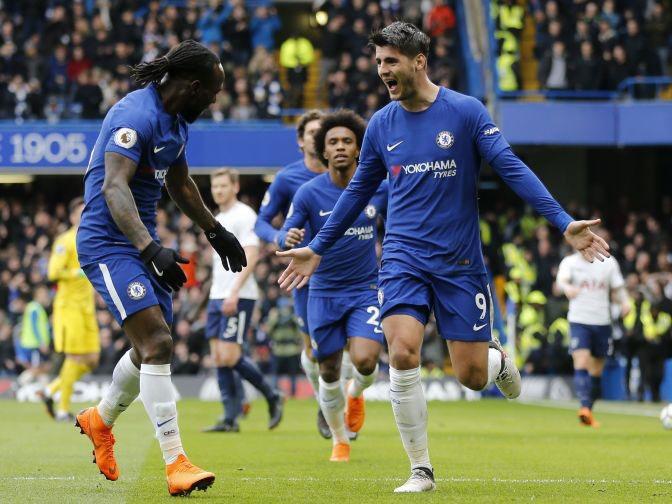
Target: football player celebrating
x,y
342,302
140,147
430,142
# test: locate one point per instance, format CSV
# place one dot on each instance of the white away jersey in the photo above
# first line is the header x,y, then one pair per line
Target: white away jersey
x,y
239,220
595,281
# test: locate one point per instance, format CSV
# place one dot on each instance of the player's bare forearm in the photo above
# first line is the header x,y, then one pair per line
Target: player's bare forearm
x,y
252,255
184,192
118,172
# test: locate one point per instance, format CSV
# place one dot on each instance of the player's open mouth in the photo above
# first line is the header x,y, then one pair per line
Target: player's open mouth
x,y
391,85
340,156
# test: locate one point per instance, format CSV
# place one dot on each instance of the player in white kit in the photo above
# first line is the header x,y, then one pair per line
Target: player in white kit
x,y
232,300
589,288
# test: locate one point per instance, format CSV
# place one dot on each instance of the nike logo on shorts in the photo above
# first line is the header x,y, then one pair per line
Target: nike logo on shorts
x,y
478,327
158,149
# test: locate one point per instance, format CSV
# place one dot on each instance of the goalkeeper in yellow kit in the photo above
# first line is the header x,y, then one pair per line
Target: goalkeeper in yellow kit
x,y
74,318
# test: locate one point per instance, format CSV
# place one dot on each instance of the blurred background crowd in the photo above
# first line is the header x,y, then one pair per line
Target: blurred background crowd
x,y
582,45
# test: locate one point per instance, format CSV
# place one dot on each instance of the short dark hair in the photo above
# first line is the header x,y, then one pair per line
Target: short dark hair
x,y
188,59
406,37
308,116
345,118
75,203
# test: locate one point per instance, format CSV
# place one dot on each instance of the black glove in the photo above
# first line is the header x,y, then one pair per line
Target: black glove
x,y
228,248
163,262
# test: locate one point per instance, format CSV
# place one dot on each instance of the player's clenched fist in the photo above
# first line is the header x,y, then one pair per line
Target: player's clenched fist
x,y
303,264
293,237
163,262
228,248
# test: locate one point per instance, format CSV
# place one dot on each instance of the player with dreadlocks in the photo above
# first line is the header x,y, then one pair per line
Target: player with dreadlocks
x,y
139,149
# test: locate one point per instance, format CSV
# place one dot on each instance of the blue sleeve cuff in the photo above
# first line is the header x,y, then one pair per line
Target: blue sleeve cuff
x,y
280,238
562,221
317,246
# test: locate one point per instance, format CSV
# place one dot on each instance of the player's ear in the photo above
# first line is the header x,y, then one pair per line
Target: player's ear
x,y
195,87
421,62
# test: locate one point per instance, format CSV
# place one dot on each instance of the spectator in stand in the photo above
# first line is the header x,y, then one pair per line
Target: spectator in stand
x,y
296,54
553,68
88,96
440,19
264,25
618,67
587,71
238,45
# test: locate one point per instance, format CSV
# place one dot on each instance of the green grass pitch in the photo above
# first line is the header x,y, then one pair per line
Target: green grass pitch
x,y
484,451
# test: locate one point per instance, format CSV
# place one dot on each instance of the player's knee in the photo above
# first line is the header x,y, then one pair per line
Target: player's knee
x,y
158,349
330,371
365,365
404,357
472,376
228,356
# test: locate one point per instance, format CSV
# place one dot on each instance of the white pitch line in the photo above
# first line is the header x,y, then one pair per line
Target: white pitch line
x,y
506,481
40,478
602,407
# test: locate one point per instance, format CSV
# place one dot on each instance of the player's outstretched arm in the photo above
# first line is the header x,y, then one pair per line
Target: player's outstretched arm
x,y
185,194
303,264
591,246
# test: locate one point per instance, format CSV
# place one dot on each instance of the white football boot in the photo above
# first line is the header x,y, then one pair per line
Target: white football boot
x,y
421,480
508,380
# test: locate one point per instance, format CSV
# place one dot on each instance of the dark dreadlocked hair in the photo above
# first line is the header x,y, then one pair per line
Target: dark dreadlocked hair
x,y
188,59
345,118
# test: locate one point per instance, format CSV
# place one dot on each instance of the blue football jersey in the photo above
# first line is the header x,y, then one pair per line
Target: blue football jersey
x,y
139,128
278,198
350,265
433,160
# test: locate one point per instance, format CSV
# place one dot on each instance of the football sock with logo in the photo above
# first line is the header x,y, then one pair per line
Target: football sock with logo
x,y
582,386
332,404
595,389
361,382
156,393
346,369
70,373
227,393
312,370
123,390
410,413
249,370
494,365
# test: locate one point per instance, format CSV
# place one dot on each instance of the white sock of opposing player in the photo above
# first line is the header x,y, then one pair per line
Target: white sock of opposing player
x,y
123,390
156,393
312,370
410,412
494,365
347,369
332,403
361,382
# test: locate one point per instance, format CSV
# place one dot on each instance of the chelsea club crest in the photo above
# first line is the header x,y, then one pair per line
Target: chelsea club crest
x,y
445,139
370,211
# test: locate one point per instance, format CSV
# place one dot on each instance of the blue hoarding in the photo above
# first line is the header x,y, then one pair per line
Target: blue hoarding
x,y
40,147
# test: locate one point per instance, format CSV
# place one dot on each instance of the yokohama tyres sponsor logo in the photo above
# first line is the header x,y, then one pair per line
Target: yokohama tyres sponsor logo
x,y
361,232
439,169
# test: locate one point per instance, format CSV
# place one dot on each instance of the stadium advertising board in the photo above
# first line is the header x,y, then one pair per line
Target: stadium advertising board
x,y
65,148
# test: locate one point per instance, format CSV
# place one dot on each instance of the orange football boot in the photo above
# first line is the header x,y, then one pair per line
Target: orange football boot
x,y
91,424
183,477
340,453
586,418
354,413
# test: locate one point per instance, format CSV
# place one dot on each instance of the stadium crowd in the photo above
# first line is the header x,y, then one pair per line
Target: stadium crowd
x,y
521,251
584,45
64,60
